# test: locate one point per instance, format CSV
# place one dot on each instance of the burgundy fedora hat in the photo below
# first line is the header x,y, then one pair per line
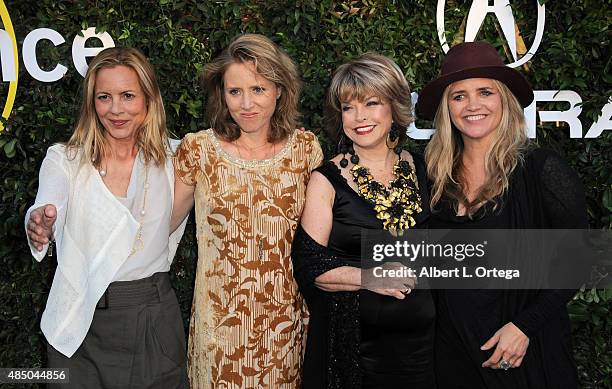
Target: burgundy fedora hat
x,y
472,60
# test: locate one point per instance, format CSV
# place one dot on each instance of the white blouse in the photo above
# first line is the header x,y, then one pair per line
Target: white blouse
x,y
153,256
95,233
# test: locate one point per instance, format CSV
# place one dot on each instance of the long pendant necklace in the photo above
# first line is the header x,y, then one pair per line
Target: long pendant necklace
x,y
139,242
395,207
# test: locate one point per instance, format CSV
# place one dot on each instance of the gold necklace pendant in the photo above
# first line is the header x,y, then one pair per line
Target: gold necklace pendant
x,y
395,206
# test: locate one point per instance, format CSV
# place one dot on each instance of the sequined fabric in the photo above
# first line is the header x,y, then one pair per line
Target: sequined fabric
x,y
310,260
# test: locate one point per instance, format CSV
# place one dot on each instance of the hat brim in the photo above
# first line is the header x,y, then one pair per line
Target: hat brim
x,y
430,96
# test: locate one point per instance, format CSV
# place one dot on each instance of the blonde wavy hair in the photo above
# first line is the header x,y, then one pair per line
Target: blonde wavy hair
x,y
152,138
364,76
270,62
443,154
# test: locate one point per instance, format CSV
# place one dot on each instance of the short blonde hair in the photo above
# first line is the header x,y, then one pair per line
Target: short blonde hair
x,y
270,62
152,138
364,76
443,153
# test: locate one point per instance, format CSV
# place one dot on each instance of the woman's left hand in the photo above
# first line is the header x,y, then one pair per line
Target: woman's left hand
x,y
511,347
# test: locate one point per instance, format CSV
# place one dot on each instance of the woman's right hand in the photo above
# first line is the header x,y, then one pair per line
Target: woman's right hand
x,y
397,287
40,225
397,293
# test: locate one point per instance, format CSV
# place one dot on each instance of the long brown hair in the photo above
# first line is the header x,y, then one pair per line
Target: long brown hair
x,y
270,62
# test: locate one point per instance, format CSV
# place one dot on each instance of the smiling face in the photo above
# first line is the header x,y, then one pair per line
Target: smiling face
x,y
475,108
250,97
367,122
120,102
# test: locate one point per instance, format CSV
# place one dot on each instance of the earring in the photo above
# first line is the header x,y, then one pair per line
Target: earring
x,y
342,149
345,147
354,156
393,136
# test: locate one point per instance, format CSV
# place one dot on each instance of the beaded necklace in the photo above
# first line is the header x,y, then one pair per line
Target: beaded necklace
x,y
395,207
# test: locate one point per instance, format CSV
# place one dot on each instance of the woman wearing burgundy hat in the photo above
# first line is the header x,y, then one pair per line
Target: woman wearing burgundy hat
x,y
485,174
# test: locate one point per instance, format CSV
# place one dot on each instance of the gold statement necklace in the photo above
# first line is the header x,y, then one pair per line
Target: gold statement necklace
x,y
396,206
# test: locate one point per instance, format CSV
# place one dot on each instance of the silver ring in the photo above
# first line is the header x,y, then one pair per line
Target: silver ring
x,y
505,364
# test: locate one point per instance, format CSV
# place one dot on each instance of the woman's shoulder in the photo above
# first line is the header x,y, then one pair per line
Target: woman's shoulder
x,y
304,136
199,139
542,160
304,139
328,168
199,136
419,160
539,154
57,149
332,173
63,154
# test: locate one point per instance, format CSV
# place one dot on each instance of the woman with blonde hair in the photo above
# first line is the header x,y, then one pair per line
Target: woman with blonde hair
x,y
248,174
486,175
105,197
363,336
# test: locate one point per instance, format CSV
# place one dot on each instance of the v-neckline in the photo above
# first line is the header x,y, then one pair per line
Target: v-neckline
x,y
133,177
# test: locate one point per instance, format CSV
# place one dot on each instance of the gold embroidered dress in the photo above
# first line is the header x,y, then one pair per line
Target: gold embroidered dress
x,y
247,318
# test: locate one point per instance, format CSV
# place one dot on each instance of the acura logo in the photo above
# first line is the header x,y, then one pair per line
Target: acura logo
x,y
503,11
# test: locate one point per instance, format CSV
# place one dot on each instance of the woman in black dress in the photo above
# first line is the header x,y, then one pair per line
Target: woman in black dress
x,y
486,175
378,338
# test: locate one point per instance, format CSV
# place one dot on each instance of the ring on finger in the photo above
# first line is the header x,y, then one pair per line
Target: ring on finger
x,y
505,365
405,291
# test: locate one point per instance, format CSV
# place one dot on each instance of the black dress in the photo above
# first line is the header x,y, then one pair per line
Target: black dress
x,y
361,339
543,193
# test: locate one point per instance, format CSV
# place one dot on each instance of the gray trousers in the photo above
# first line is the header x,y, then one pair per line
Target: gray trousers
x,y
136,340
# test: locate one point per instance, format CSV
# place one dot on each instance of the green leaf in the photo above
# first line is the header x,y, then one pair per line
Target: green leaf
x,y
9,148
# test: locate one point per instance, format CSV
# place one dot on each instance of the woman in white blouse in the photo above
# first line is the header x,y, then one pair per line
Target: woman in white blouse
x,y
106,197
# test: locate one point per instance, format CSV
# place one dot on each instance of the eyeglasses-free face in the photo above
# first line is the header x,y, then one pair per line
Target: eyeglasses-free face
x,y
475,108
120,102
250,97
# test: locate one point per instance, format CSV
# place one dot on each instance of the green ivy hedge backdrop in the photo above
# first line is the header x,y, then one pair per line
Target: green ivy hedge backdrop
x,y
179,36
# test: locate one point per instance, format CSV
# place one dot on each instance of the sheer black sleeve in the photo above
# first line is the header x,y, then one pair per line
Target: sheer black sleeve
x,y
310,260
564,207
342,330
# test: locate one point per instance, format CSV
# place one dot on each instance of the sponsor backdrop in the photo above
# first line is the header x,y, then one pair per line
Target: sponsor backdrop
x,y
562,47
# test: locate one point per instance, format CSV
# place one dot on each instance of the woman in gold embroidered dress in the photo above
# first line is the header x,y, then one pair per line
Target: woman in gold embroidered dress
x,y
248,174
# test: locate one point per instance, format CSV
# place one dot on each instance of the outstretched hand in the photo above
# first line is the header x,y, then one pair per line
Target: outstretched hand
x,y
40,225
